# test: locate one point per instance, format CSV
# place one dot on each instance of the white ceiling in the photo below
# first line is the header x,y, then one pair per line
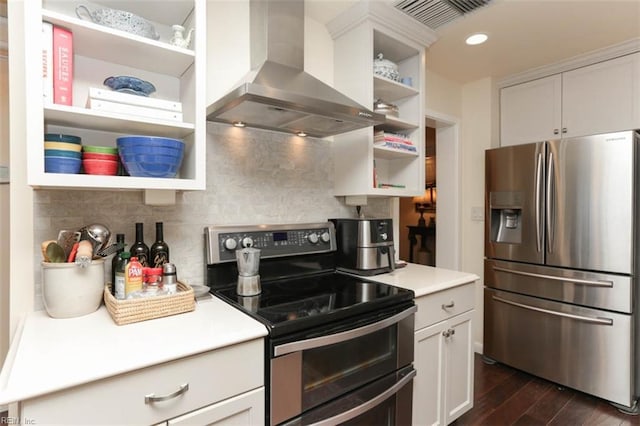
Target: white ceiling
x,y
523,34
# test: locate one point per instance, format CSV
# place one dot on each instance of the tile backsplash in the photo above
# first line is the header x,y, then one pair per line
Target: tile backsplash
x,y
253,176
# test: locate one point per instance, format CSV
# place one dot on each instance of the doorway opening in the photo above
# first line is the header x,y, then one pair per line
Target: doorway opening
x,y
437,244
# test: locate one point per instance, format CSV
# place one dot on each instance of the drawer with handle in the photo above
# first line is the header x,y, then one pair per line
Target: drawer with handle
x,y
156,393
439,306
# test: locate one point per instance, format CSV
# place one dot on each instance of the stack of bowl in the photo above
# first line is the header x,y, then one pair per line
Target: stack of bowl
x,y
100,160
62,153
151,156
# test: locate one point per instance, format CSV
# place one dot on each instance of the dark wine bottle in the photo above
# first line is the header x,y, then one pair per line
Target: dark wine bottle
x,y
159,249
139,249
114,262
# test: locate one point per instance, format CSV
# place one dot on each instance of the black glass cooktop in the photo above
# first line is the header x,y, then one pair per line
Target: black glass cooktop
x,y
291,305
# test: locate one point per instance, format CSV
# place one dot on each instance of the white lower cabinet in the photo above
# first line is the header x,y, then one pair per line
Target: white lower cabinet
x,y
225,385
443,387
245,410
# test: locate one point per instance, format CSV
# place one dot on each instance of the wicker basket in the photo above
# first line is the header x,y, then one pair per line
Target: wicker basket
x,y
136,310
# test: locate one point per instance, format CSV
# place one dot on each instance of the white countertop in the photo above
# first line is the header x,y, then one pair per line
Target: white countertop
x,y
423,279
49,354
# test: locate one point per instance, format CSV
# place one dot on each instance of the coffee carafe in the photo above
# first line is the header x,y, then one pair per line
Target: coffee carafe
x,y
248,260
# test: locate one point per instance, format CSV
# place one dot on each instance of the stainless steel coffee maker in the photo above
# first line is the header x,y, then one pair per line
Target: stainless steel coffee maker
x,y
365,246
248,260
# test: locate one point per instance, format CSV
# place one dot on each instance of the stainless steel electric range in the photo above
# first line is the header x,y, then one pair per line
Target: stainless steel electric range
x,y
340,347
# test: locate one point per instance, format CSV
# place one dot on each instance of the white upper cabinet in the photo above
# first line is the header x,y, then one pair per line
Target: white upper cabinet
x,y
531,111
602,98
599,98
99,51
360,34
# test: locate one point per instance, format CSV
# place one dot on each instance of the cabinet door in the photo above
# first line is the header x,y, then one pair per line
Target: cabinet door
x,y
602,98
246,410
428,385
531,112
459,371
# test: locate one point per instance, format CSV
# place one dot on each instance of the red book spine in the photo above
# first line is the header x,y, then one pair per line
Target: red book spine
x,y
62,66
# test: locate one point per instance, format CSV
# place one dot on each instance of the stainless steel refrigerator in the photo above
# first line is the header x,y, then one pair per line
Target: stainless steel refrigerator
x,y
561,262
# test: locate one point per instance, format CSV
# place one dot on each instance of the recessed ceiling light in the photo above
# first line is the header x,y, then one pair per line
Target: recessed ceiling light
x,y
301,134
478,38
238,123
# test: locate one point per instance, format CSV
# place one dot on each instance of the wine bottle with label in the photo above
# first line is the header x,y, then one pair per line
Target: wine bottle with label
x,y
114,262
159,249
139,249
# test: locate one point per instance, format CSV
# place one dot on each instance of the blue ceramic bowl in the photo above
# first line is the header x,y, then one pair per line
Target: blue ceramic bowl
x,y
149,150
149,141
150,158
62,165
128,84
61,153
56,137
157,170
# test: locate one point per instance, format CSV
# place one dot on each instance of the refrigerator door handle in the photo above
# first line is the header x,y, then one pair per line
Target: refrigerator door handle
x,y
550,218
599,283
602,321
538,189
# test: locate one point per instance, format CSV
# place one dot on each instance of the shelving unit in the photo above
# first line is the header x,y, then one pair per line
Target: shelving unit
x,y
360,34
100,52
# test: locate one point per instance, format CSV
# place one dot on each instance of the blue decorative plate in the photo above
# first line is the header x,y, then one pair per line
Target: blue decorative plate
x,y
128,84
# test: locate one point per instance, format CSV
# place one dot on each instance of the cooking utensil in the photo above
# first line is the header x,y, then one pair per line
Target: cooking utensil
x,y
66,240
109,250
98,234
248,260
84,255
55,253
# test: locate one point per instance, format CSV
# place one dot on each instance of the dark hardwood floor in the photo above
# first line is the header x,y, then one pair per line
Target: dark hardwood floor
x,y
505,396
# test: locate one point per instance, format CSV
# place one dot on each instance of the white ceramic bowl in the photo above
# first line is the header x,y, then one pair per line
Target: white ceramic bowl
x,y
71,291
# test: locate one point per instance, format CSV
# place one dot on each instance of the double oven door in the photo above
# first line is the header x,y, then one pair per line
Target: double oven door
x,y
357,373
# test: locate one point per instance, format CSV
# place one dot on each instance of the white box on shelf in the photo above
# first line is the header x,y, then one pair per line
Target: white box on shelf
x,y
126,98
133,110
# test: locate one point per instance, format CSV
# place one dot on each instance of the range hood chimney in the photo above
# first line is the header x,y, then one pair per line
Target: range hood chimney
x,y
277,94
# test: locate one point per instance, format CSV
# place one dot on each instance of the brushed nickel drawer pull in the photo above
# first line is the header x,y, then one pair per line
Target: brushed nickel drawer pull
x,y
595,283
449,305
151,398
597,320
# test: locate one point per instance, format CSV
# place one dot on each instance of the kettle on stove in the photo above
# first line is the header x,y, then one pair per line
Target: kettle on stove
x,y
364,246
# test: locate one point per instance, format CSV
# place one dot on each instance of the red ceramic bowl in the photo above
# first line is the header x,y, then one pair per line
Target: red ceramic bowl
x,y
99,167
99,156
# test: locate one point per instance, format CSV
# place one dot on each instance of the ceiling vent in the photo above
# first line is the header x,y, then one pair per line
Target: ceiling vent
x,y
436,13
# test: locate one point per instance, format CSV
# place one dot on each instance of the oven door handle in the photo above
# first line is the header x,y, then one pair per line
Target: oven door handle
x,y
373,402
343,336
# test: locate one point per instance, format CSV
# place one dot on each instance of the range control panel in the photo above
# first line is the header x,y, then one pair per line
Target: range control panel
x,y
222,242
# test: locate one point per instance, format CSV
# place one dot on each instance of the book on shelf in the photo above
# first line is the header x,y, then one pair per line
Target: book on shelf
x,y
130,99
47,62
391,185
133,110
397,145
62,66
382,136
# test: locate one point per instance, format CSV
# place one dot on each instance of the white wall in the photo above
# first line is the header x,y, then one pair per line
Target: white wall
x,y
476,136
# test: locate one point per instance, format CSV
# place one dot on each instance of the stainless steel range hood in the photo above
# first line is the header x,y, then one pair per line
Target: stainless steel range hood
x,y
277,94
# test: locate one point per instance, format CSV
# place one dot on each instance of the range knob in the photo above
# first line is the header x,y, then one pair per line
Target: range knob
x,y
313,238
230,244
325,237
247,242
